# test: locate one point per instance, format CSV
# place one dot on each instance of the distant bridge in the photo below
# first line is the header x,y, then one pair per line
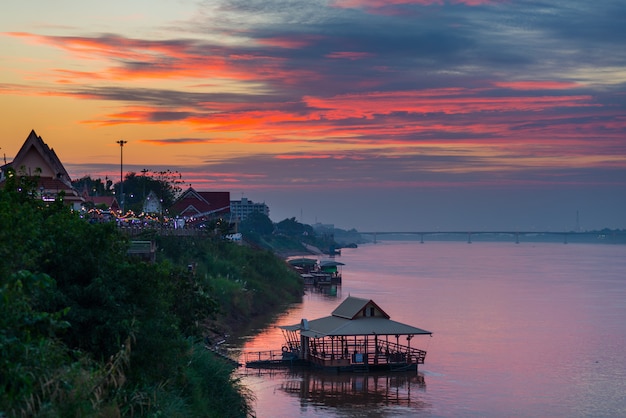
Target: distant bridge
x,y
571,235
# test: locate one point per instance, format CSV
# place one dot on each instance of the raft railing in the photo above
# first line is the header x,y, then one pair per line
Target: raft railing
x,y
368,351
269,358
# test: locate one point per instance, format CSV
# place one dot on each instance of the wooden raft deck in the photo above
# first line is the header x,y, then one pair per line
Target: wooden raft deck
x,y
342,355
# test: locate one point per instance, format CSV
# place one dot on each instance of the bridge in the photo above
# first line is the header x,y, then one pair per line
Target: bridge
x,y
565,236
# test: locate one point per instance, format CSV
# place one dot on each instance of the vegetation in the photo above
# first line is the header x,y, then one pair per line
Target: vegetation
x,y
166,184
245,282
86,330
291,237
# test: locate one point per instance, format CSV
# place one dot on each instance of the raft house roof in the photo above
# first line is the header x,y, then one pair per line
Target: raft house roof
x,y
350,318
331,263
302,261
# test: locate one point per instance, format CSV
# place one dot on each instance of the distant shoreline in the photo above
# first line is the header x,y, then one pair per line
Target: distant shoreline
x,y
556,237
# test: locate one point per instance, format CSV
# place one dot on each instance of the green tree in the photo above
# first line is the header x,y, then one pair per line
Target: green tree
x,y
294,228
166,184
94,187
257,223
72,303
27,346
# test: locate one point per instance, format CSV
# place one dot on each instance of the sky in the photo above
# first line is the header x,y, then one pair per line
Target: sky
x,y
378,115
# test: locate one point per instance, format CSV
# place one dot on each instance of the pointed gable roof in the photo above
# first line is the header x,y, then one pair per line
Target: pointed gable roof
x,y
109,201
36,159
35,154
352,307
194,203
353,318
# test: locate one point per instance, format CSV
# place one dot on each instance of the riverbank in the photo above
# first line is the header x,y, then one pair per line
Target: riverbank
x,y
247,282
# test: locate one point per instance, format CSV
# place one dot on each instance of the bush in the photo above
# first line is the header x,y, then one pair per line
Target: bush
x,y
87,331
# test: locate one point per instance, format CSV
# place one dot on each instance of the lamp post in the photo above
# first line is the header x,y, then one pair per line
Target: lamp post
x,y
121,142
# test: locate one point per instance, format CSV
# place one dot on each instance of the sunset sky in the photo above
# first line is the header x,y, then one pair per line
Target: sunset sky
x,y
369,114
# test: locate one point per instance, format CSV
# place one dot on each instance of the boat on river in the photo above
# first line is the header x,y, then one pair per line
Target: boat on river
x,y
358,337
317,273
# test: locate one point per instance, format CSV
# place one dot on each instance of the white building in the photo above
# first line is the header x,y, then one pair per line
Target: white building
x,y
241,209
152,203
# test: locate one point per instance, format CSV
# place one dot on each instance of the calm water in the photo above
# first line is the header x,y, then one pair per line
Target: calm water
x,y
523,330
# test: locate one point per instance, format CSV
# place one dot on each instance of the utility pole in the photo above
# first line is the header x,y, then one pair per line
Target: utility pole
x,y
143,180
121,142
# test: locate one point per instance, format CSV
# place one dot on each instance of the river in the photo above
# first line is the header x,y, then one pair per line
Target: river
x,y
523,330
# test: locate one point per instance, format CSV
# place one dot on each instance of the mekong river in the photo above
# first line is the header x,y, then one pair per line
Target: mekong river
x,y
522,330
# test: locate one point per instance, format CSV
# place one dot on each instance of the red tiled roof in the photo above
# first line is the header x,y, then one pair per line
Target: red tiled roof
x,y
193,203
109,201
55,186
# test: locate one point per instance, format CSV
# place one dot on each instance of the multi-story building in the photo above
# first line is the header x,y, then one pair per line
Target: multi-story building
x,y
241,209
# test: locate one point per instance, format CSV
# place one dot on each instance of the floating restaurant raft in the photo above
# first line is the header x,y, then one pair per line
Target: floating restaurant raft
x,y
358,336
317,273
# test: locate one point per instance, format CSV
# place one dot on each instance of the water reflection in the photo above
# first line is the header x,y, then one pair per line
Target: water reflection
x,y
331,291
346,391
519,330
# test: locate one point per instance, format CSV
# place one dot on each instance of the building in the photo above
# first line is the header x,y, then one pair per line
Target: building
x,y
36,160
152,204
241,209
201,205
103,202
357,336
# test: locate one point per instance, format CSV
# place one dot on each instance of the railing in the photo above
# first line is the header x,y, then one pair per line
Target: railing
x,y
370,351
142,230
270,357
263,356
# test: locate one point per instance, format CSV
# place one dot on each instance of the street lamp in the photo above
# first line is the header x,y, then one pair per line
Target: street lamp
x,y
121,142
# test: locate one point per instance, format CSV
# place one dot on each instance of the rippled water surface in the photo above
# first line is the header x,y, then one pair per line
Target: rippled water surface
x,y
520,330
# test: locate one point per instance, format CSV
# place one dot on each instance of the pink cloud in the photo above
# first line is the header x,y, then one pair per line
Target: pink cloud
x,y
537,85
450,101
373,5
349,55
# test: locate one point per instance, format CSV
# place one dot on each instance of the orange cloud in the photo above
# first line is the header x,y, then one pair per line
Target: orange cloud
x,y
170,60
288,43
449,122
307,157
